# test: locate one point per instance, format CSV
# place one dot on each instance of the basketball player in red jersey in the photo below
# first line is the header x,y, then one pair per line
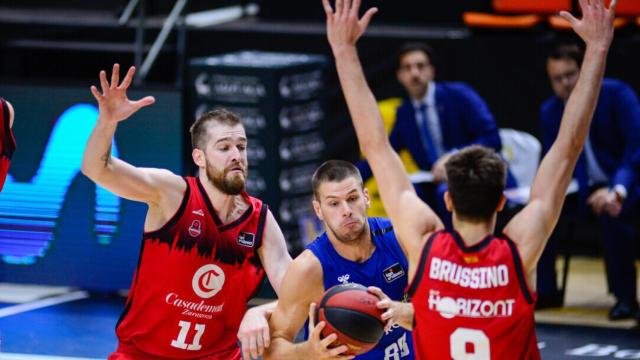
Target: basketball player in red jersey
x,y
472,292
7,141
206,244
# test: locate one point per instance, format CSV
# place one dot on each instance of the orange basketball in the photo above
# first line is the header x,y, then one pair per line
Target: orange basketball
x,y
350,312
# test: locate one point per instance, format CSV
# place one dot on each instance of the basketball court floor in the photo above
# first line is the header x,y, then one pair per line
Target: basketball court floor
x,y
64,324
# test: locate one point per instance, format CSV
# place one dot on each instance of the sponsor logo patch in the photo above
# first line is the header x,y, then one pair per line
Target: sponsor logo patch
x,y
393,272
246,239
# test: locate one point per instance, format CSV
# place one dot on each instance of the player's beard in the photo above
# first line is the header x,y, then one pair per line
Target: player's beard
x,y
230,185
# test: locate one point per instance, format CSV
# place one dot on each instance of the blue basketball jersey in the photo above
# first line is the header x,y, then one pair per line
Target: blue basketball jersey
x,y
387,269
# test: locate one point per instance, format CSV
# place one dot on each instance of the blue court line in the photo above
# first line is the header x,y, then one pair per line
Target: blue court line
x,y
55,300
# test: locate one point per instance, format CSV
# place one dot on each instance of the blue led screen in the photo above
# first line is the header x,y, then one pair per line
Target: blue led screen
x,y
56,226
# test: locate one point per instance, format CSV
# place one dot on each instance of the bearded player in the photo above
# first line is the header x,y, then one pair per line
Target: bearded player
x,y
206,244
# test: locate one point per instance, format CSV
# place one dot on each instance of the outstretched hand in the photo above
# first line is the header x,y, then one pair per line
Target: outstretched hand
x,y
596,25
113,102
344,28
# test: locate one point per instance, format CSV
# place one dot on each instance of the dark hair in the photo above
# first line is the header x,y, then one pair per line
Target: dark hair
x,y
333,171
199,128
415,46
476,177
567,52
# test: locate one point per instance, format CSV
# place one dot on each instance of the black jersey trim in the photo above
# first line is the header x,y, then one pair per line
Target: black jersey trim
x,y
382,231
517,261
261,224
239,220
207,201
417,277
473,248
176,217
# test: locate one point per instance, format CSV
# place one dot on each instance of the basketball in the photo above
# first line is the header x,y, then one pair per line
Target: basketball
x,y
350,312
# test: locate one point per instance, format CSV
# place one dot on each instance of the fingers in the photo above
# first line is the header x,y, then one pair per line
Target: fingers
x,y
366,18
96,93
146,101
115,76
327,8
355,8
584,4
266,337
377,292
338,6
253,347
245,349
260,343
570,18
613,4
346,5
335,352
326,342
312,316
128,78
104,84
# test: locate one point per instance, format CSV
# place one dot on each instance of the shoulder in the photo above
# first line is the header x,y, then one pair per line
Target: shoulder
x,y
307,267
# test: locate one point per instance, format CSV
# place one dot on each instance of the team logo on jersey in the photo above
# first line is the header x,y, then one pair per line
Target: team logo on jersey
x,y
393,272
198,212
344,279
450,307
208,281
196,228
246,239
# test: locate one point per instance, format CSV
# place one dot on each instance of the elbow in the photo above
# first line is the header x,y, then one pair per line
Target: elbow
x,y
84,169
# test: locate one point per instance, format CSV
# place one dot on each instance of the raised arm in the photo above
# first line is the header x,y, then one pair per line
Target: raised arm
x,y
411,217
114,174
531,228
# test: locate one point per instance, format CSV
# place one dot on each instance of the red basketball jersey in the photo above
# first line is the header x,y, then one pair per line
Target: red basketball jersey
x,y
472,302
7,141
194,278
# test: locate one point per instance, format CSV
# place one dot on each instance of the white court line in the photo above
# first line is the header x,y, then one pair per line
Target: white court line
x,y
9,356
16,309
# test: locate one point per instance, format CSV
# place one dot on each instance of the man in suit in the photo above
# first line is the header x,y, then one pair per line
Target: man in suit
x,y
607,174
436,119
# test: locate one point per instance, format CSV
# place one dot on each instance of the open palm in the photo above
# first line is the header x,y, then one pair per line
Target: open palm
x,y
113,103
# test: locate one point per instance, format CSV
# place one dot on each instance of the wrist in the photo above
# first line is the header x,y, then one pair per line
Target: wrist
x,y
600,48
343,49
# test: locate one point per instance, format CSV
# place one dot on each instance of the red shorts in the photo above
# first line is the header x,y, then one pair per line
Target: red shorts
x,y
128,352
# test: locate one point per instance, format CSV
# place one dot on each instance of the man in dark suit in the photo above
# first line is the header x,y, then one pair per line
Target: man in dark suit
x,y
607,174
436,119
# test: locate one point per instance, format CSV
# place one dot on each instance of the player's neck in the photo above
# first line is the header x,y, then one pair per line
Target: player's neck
x,y
227,207
358,250
473,232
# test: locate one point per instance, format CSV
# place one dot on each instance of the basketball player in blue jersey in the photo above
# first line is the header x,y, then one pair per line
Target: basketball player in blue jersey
x,y
355,249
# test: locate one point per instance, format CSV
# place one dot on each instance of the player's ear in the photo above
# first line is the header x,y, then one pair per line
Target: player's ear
x,y
447,201
198,157
503,201
367,197
316,208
